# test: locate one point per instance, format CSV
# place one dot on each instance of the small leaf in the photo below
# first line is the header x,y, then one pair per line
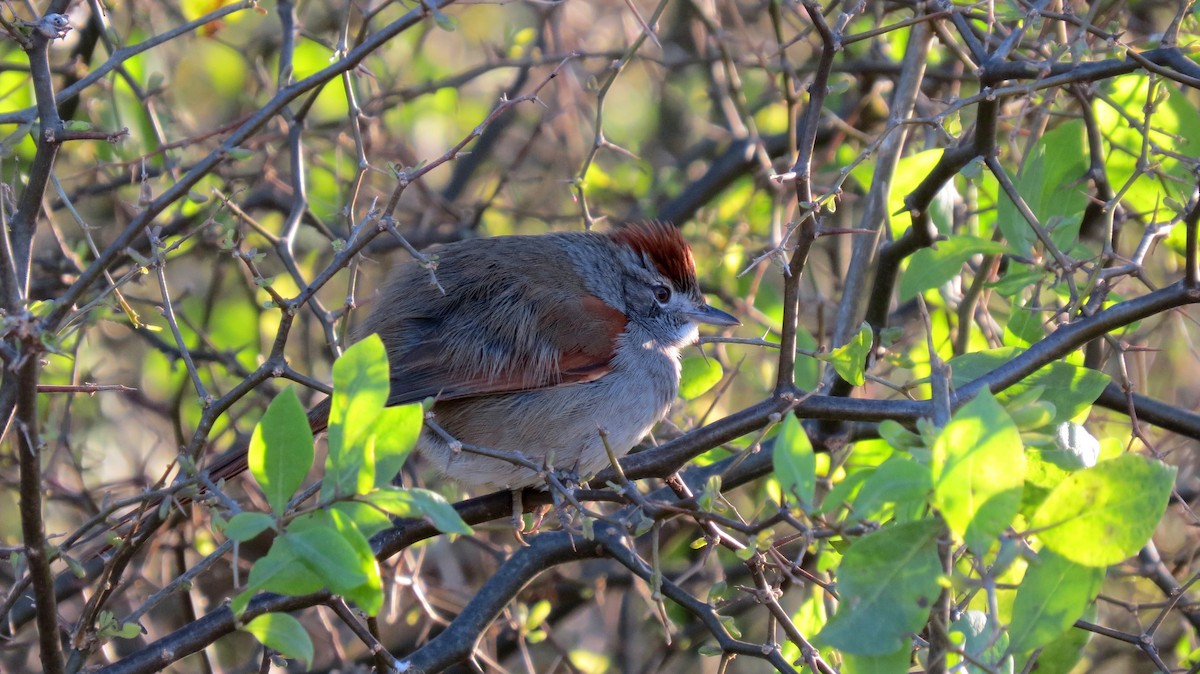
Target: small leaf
x,y
890,663
897,480
396,432
699,374
888,580
1051,597
1071,389
931,267
898,436
444,21
979,472
327,554
369,594
283,633
1104,514
279,571
413,502
240,153
244,526
982,643
794,460
361,386
281,449
850,361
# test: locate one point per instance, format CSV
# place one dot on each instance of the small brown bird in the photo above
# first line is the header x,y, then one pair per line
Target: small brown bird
x,y
537,343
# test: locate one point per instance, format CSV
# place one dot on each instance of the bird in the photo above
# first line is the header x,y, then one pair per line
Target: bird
x,y
551,346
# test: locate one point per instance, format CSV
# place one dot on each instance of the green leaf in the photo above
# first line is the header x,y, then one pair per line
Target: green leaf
x,y
1061,655
1052,596
794,461
1070,388
361,386
1102,515
850,360
283,633
413,502
898,436
444,21
1024,327
239,153
908,175
244,526
279,571
1174,124
931,267
887,581
1049,183
396,432
891,663
368,595
1018,279
368,519
281,450
978,472
897,480
328,555
699,374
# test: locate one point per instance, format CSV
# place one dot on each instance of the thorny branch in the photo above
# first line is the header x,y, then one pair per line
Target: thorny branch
x,y
1003,75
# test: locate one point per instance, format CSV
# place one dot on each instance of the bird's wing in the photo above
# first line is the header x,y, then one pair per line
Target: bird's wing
x,y
571,345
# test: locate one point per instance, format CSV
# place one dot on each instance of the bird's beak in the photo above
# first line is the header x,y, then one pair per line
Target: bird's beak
x,y
712,316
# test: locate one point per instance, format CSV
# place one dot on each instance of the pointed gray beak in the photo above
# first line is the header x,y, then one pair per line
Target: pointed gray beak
x,y
712,316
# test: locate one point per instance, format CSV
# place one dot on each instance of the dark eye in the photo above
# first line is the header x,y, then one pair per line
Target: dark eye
x,y
662,294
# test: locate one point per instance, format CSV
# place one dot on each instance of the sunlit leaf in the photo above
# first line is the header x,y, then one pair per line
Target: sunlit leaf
x,y
281,450
1104,514
794,461
978,471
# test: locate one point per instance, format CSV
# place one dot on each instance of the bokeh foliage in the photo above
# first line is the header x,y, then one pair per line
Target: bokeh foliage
x,y
981,454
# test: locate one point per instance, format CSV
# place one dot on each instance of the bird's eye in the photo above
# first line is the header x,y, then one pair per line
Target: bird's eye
x,y
662,294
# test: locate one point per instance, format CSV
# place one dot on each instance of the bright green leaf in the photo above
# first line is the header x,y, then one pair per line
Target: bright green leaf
x,y
979,471
281,450
244,526
413,502
897,480
1070,388
794,460
361,385
850,360
396,433
279,571
887,581
931,267
283,633
1102,515
699,374
327,554
369,594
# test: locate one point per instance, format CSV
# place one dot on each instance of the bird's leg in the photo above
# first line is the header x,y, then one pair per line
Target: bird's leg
x,y
518,519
